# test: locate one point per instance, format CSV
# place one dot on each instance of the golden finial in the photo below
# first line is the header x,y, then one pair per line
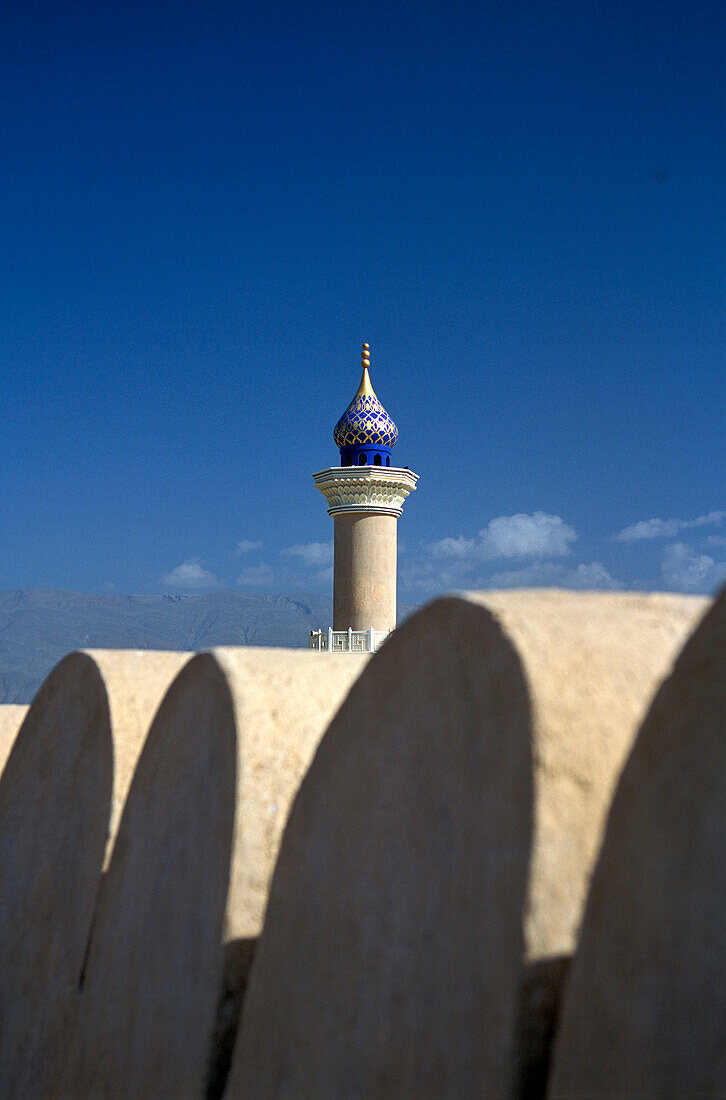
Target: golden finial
x,y
365,389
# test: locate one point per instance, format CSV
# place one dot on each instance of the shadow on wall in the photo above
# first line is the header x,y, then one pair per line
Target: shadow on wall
x,y
540,997
238,958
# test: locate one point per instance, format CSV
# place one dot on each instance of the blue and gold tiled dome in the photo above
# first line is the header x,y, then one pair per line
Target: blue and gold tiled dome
x,y
365,430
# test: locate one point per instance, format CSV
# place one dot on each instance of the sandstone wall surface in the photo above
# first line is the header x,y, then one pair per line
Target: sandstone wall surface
x,y
593,661
194,851
283,702
153,971
389,963
645,1012
135,681
11,718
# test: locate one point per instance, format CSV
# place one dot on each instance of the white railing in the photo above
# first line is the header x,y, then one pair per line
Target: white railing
x,y
347,641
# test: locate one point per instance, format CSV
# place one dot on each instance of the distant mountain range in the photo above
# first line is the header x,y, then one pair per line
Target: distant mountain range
x,y
37,628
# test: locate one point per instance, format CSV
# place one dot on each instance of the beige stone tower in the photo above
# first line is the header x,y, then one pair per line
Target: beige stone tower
x,y
365,496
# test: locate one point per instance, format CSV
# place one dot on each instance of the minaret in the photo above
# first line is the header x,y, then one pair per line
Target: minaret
x,y
365,496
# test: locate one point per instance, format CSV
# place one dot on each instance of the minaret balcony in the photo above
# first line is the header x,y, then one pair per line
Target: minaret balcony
x,y
380,489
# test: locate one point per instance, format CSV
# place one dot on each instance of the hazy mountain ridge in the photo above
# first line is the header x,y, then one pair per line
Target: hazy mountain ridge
x,y
38,627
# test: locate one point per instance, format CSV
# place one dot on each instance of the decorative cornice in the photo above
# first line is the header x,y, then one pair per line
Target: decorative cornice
x,y
379,489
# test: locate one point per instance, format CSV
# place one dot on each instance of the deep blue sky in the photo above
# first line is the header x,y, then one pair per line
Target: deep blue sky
x,y
205,209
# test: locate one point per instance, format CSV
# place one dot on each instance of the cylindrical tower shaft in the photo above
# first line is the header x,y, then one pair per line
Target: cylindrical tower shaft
x,y
364,591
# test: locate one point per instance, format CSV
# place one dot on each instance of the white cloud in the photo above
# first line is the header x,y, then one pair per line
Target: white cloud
x,y
313,554
665,528
525,536
190,574
461,562
592,575
253,576
684,569
247,546
684,566
520,536
648,529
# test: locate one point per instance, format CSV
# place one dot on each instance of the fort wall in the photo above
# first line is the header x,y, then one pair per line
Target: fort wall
x,y
424,821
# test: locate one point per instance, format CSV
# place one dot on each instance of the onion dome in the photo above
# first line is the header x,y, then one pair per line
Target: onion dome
x,y
365,429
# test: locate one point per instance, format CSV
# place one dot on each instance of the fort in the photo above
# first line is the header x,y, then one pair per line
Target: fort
x,y
324,867
484,855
